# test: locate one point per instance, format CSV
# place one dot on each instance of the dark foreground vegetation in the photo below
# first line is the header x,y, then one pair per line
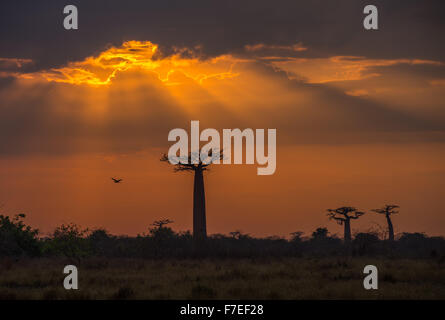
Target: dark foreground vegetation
x,y
70,241
164,264
216,278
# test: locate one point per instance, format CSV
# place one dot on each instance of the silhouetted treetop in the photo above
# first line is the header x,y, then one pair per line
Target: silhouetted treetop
x,y
194,160
388,209
160,223
344,213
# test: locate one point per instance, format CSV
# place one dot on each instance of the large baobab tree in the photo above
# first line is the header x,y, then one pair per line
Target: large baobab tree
x,y
388,210
196,163
343,216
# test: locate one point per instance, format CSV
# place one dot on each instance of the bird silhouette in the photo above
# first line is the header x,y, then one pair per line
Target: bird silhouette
x,y
116,180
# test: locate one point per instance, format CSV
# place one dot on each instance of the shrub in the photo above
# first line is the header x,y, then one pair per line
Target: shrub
x,y
16,238
365,243
69,241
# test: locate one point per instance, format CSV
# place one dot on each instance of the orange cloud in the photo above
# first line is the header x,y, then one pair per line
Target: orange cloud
x,y
9,67
339,68
13,62
261,46
358,92
102,69
439,82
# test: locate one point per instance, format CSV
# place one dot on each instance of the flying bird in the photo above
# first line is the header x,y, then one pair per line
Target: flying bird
x,y
116,180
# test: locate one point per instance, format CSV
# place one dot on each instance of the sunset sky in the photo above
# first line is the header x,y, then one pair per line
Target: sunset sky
x,y
360,115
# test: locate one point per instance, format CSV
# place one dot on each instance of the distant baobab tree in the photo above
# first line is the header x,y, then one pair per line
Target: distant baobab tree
x,y
196,163
161,223
388,210
343,216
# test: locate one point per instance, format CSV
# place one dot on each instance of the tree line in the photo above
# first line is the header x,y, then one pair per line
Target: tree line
x,y
17,239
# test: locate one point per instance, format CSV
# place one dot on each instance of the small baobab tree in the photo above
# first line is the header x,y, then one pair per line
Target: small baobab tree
x,y
388,210
159,224
343,216
196,162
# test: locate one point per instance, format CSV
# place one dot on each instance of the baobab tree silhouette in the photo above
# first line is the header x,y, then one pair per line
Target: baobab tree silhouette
x,y
197,163
159,224
343,216
388,210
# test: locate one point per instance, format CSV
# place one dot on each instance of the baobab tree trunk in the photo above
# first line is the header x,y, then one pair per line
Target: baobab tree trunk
x,y
347,237
390,228
199,207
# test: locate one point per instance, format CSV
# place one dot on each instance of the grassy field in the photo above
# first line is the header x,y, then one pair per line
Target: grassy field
x,y
287,278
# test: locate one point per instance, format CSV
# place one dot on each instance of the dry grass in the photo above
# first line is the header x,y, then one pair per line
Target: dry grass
x,y
287,278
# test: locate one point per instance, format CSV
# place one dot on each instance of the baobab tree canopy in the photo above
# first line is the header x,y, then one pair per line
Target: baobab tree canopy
x,y
194,161
161,223
343,214
388,209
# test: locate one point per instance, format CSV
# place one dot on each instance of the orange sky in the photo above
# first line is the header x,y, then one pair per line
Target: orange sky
x,y
350,131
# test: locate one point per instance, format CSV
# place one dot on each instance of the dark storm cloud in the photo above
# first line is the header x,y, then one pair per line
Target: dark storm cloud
x,y
408,29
